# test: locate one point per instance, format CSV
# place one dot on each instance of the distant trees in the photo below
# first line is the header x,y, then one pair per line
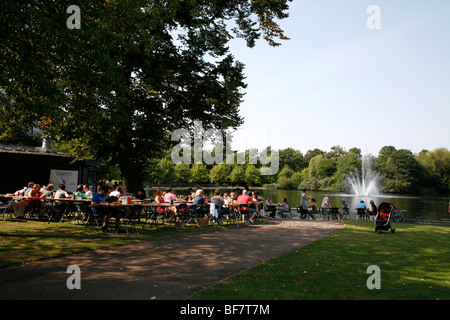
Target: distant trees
x,y
399,171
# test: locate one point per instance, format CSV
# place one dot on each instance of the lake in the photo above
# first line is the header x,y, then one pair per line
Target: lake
x,y
417,209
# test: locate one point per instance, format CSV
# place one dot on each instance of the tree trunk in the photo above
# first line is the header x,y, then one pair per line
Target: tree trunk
x,y
127,167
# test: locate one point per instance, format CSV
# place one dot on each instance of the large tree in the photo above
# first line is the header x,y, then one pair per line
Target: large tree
x,y
135,71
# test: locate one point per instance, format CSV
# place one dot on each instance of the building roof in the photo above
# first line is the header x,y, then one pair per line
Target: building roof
x,y
40,151
10,148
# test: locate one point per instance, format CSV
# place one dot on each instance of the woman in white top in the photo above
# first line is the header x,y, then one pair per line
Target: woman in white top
x,y
61,193
325,205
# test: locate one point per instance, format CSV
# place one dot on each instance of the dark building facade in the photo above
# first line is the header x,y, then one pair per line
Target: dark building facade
x,y
20,165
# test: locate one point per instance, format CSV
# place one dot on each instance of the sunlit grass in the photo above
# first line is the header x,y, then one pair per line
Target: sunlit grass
x,y
414,264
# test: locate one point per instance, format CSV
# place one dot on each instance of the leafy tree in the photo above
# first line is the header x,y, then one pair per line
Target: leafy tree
x,y
286,172
199,173
438,161
238,174
345,165
292,158
312,153
252,175
336,152
165,172
182,173
398,169
220,174
314,165
133,72
326,168
285,183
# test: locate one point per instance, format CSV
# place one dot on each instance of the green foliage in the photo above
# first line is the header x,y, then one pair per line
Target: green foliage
x,y
238,174
285,183
220,174
199,173
182,172
252,175
134,72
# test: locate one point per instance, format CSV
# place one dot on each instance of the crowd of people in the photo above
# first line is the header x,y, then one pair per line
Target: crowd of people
x,y
34,195
248,204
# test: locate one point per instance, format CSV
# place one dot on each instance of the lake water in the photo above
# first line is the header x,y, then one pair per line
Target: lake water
x,y
416,209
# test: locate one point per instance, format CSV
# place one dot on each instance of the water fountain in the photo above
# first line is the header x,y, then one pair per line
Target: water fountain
x,y
364,183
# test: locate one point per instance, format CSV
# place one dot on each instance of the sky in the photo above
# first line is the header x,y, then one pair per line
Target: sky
x,y
337,82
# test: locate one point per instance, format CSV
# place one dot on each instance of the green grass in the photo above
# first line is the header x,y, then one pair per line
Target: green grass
x,y
414,264
27,241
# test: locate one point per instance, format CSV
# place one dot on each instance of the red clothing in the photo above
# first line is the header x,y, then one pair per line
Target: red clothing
x,y
244,199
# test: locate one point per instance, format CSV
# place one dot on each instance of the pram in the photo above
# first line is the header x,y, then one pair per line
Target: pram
x,y
383,218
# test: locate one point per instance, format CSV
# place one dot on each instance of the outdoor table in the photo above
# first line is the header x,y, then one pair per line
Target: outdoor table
x,y
11,199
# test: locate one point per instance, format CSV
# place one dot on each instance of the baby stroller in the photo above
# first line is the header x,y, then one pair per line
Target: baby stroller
x,y
383,218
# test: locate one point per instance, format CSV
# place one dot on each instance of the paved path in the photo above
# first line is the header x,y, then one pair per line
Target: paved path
x,y
171,268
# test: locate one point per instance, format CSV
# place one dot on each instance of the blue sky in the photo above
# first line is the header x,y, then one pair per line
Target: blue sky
x,y
338,83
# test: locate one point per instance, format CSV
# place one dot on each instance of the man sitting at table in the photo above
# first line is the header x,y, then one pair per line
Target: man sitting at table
x,y
246,199
199,201
103,210
19,207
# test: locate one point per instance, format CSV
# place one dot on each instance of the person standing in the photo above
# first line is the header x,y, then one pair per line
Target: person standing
x,y
304,204
325,205
373,212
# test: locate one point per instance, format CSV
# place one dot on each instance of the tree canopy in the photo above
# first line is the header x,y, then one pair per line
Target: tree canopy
x,y
132,73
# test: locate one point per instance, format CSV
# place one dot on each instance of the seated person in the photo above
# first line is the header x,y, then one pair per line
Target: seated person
x,y
19,207
199,202
87,192
258,202
81,195
49,190
103,210
218,202
169,196
246,199
345,209
188,195
269,206
160,199
35,192
116,193
361,210
313,206
286,208
140,194
61,193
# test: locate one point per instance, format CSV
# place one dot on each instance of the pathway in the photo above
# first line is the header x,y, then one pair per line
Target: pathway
x,y
171,268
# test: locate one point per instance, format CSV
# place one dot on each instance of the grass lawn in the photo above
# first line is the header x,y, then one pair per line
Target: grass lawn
x,y
414,264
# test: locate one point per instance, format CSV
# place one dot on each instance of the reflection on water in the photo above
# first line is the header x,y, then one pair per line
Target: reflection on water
x,y
417,209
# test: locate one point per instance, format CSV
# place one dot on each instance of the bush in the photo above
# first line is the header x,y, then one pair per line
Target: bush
x,y
285,183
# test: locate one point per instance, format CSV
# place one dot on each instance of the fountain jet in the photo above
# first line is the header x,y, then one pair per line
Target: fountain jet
x,y
366,182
